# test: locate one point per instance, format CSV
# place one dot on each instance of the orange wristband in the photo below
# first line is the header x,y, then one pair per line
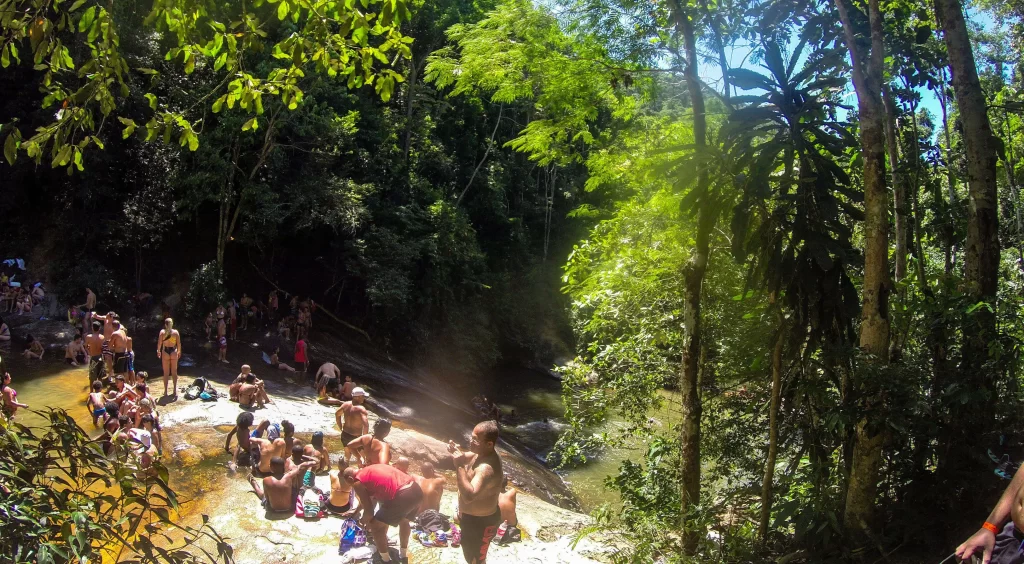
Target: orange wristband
x,y
990,527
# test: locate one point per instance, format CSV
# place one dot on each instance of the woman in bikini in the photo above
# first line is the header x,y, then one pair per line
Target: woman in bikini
x,y
168,350
10,396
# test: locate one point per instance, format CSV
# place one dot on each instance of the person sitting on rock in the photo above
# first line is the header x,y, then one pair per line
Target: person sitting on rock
x,y
252,394
275,491
507,506
371,449
432,485
262,450
293,462
318,450
146,410
33,348
402,463
241,455
275,361
239,380
74,353
340,502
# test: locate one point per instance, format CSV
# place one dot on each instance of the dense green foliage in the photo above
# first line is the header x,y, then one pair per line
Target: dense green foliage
x,y
65,500
844,304
782,294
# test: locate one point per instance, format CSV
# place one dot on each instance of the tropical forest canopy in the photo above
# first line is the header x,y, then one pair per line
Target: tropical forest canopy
x,y
800,218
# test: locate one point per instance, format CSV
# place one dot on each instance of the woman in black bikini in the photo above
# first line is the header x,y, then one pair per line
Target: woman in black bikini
x,y
168,350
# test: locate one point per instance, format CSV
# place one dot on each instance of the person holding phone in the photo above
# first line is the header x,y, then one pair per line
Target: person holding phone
x,y
480,478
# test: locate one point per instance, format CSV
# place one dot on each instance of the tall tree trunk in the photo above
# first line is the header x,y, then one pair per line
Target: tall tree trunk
x,y
693,281
773,432
410,92
981,258
899,187
949,230
866,458
1011,179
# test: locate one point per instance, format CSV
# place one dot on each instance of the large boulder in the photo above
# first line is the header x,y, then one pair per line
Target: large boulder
x,y
419,447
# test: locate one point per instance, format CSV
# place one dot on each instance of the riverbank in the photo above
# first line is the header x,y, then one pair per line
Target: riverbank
x,y
194,438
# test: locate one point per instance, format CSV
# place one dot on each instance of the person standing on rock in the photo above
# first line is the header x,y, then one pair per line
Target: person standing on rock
x,y
352,417
168,350
480,478
94,348
398,495
87,308
327,377
222,336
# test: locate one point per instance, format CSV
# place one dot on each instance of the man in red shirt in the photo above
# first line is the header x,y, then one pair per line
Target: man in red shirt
x,y
300,354
399,497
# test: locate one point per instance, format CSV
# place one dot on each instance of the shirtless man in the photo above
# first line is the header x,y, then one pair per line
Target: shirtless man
x,y
241,455
327,377
246,305
432,485
233,319
239,380
97,402
371,449
402,463
352,417
251,394
480,478
119,346
292,463
87,308
276,490
316,449
341,491
263,450
347,388
94,348
74,353
108,329
222,339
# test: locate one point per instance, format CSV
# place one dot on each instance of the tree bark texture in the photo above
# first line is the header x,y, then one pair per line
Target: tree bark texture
x,y
948,230
866,456
773,433
981,257
899,187
693,281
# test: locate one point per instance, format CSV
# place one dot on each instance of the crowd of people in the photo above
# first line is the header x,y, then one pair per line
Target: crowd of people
x,y
367,481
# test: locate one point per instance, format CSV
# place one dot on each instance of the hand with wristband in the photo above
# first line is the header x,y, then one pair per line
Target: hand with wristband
x,y
984,539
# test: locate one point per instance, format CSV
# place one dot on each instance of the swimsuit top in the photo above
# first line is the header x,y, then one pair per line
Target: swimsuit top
x,y
383,481
170,340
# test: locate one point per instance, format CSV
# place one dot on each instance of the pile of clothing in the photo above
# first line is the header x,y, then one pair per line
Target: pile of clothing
x,y
435,529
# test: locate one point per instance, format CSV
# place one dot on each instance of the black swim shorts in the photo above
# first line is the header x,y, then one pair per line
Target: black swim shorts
x,y
405,505
477,533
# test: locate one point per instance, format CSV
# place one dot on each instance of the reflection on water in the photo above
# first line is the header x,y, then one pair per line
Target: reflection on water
x,y
51,383
538,420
